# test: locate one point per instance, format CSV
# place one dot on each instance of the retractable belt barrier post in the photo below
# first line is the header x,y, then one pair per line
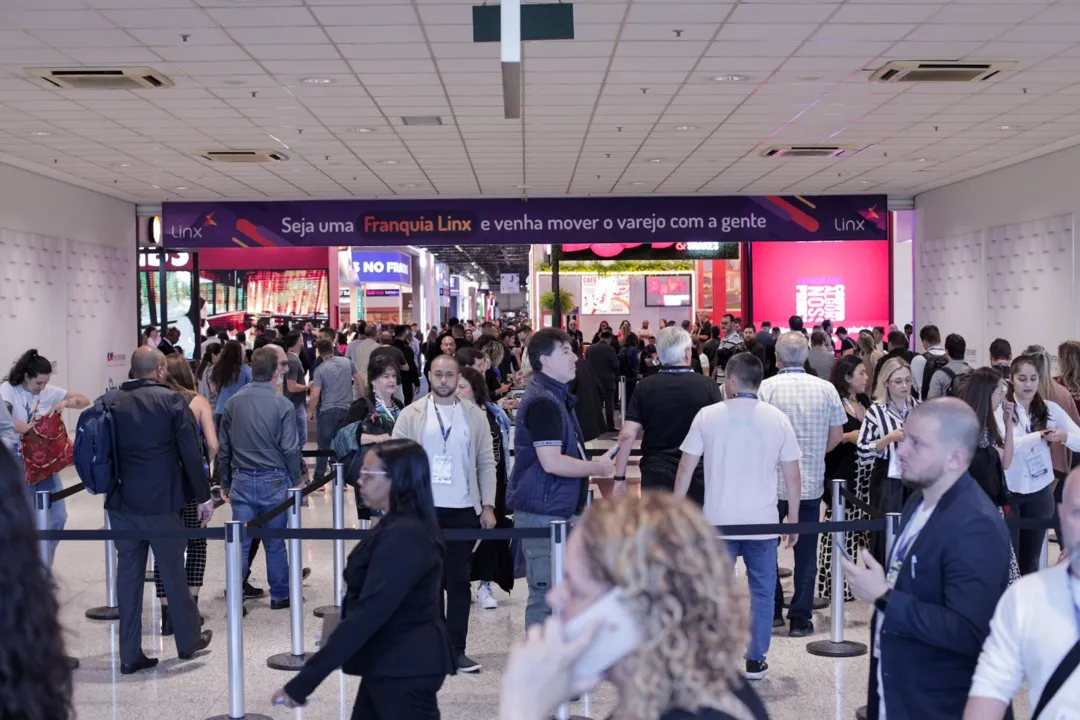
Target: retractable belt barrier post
x,y
111,609
295,659
837,646
560,531
622,400
234,592
43,503
338,510
892,531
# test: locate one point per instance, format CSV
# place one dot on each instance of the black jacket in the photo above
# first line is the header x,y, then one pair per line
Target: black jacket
x,y
413,374
590,406
604,360
161,468
391,624
938,614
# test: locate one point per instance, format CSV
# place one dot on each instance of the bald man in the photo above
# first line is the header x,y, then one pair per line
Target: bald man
x,y
947,569
1034,634
159,469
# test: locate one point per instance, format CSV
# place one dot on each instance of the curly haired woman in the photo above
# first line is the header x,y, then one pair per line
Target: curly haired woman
x,y
677,581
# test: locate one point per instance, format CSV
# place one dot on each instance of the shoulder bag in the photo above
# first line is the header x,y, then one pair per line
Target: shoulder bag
x,y
1061,674
46,448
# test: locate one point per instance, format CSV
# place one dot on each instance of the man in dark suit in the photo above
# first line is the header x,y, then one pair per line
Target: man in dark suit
x,y
605,363
947,569
590,406
160,468
410,377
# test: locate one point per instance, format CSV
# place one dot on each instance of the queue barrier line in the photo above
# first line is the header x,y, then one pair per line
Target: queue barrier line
x,y
287,502
66,493
317,453
860,504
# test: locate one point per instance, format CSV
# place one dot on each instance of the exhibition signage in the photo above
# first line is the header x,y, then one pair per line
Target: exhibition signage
x,y
510,283
382,292
605,294
381,267
586,220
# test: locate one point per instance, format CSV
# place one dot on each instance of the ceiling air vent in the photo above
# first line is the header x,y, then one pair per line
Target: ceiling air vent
x,y
242,156
939,71
88,78
429,120
807,151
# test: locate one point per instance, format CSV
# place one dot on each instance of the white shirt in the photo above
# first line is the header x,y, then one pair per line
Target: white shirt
x,y
918,366
741,441
1032,469
905,542
24,405
456,494
813,406
1034,626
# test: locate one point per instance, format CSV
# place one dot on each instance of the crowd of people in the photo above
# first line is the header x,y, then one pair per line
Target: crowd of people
x,y
737,426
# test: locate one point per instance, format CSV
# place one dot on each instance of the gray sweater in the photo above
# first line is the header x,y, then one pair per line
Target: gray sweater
x,y
939,383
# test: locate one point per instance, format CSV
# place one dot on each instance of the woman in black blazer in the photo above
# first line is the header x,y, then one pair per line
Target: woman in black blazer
x,y
391,631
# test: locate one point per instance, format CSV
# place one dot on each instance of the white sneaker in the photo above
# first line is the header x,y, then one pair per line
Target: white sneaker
x,y
485,598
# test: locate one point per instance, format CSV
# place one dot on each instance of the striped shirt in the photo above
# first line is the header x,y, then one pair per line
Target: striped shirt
x,y
880,420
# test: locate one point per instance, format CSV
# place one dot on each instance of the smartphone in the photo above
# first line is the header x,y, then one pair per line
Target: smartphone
x,y
846,555
613,451
617,636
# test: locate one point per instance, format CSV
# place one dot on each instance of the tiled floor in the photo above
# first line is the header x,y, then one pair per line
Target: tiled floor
x,y
799,686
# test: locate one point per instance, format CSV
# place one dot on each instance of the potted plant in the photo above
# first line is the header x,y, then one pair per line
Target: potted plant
x,y
567,301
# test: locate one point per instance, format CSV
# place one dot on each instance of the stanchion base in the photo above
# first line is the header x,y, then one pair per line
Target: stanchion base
x,y
73,662
784,572
287,661
828,648
860,713
247,716
103,613
326,610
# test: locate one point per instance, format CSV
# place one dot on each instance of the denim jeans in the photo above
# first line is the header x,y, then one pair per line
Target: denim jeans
x,y
253,493
329,422
537,566
759,556
805,573
58,512
300,411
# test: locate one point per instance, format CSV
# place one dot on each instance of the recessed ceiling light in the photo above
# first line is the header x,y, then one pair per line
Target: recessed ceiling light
x,y
409,185
155,187
729,78
686,127
865,182
181,188
362,130
316,81
1007,127
524,187
388,162
656,160
637,183
235,82
40,133
920,159
123,165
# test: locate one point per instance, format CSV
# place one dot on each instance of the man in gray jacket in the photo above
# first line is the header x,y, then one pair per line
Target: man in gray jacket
x,y
457,439
942,380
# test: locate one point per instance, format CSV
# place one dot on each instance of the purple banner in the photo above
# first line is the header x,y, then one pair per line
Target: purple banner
x,y
625,220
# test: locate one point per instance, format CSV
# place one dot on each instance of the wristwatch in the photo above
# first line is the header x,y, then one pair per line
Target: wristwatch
x,y
620,478
882,602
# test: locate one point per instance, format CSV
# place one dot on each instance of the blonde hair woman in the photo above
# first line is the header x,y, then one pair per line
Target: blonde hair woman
x,y
881,434
867,350
677,582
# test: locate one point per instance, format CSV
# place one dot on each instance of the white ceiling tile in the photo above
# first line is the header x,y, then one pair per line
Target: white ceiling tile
x,y
252,17
675,12
876,13
53,20
159,18
367,15
861,32
352,35
113,56
950,32
295,52
765,31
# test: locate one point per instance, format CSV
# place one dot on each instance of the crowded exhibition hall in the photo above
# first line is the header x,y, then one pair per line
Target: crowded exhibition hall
x,y
518,360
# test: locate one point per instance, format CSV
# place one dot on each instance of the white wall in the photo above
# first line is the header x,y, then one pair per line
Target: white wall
x,y
903,279
995,255
67,279
589,324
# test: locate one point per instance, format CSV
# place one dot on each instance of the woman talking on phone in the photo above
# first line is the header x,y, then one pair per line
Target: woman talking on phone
x,y
391,631
1037,424
655,569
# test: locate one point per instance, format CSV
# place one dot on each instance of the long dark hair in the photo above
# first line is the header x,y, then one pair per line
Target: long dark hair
x,y
479,387
406,465
845,366
1038,412
227,370
978,392
211,352
37,677
28,366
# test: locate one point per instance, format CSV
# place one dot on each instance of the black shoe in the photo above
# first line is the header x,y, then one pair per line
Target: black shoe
x,y
143,663
166,622
778,621
801,628
252,593
201,644
467,665
280,604
305,574
756,670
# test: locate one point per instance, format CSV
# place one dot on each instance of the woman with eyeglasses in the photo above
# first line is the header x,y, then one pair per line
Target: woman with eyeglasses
x,y
881,433
1038,424
673,581
372,418
391,631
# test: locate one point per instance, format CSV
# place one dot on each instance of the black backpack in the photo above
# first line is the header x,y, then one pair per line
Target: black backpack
x,y
933,364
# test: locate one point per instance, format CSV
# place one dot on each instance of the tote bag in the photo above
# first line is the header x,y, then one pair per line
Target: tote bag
x,y
46,448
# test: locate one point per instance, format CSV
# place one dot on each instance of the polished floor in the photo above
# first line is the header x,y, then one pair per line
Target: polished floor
x,y
799,685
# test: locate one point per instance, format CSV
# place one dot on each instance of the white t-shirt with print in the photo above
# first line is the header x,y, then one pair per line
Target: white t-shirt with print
x,y
25,405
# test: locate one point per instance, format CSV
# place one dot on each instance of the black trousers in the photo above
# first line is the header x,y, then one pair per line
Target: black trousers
x,y
1028,543
609,407
457,573
658,474
412,698
131,579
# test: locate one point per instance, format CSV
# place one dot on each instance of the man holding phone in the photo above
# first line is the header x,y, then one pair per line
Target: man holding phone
x,y
550,480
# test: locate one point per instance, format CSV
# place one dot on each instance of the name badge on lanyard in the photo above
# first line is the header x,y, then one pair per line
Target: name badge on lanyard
x,y
442,465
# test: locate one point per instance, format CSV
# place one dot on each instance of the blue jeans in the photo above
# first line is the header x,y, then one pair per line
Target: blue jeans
x,y
300,411
253,493
329,422
537,566
58,513
759,556
805,574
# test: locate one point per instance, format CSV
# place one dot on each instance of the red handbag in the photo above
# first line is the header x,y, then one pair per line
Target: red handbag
x,y
46,448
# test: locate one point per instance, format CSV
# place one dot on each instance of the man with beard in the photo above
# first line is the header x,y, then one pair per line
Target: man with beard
x,y
947,569
1034,637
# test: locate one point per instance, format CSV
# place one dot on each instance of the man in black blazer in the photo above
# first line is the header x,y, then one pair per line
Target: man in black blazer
x,y
948,567
160,468
604,360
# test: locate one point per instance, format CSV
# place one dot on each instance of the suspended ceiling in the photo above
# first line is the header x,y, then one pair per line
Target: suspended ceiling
x,y
630,106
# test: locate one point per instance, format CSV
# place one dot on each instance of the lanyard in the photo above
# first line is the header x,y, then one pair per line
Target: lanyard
x,y
677,370
784,371
380,406
442,428
752,396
